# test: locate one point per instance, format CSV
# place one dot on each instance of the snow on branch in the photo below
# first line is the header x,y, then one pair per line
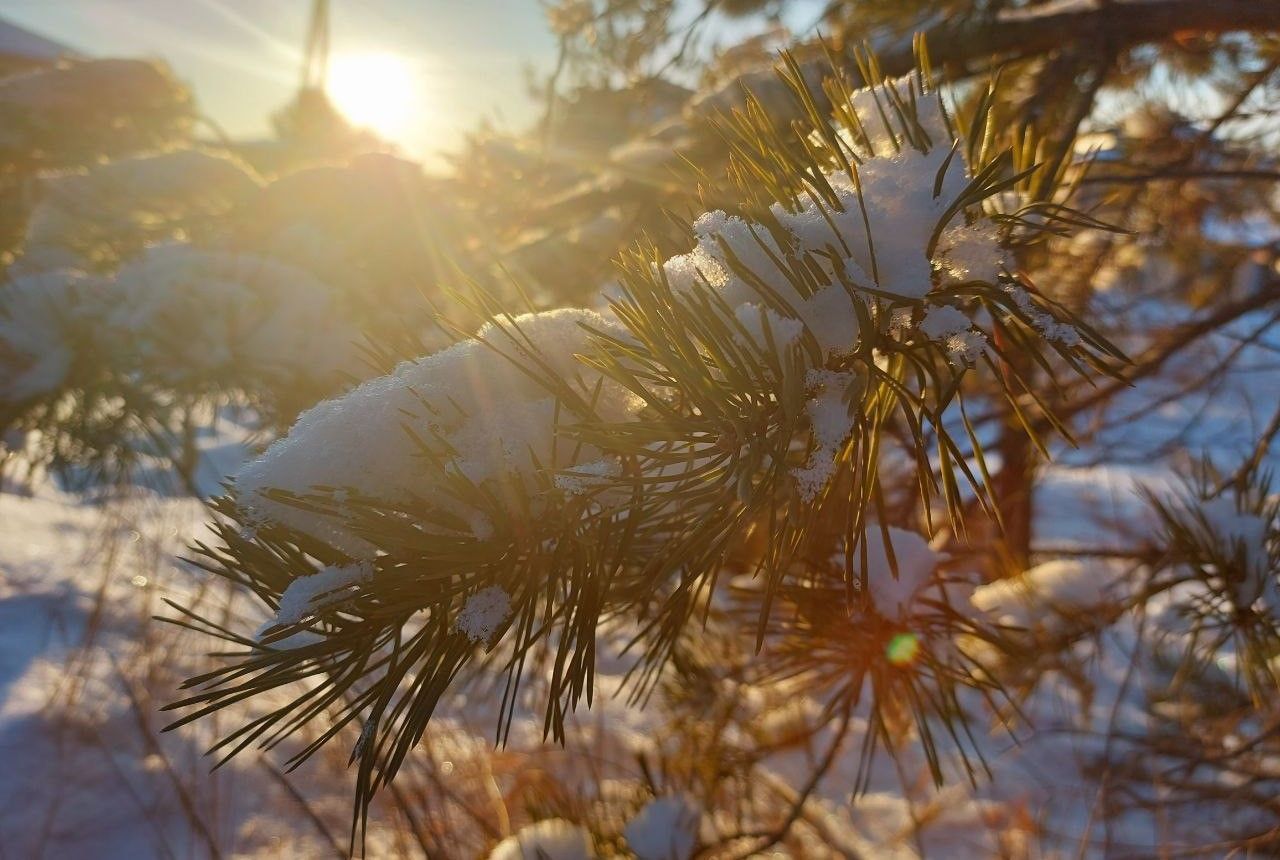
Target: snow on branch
x,y
562,467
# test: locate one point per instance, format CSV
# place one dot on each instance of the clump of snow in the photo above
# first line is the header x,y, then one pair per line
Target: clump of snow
x,y
942,321
901,320
891,257
550,839
757,320
873,244
483,613
884,129
1238,529
134,196
584,476
35,349
809,267
966,346
829,417
176,314
1042,322
326,587
916,565
665,829
972,252
206,310
1060,588
1243,536
954,330
475,404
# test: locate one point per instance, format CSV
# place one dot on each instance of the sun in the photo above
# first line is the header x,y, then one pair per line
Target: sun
x,y
380,92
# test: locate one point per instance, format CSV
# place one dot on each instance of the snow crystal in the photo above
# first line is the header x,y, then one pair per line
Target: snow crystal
x,y
972,252
326,587
966,346
474,405
828,315
721,235
482,614
900,321
829,416
665,829
1067,587
551,839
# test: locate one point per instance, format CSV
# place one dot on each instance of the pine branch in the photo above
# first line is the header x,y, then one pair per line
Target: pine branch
x,y
1043,28
560,470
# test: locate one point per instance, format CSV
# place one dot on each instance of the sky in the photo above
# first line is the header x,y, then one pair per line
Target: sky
x,y
419,72
458,60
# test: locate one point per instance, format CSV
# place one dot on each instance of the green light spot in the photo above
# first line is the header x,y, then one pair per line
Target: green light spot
x,y
902,649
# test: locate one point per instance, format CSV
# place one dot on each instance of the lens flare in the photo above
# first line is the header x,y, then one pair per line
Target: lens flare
x,y
903,649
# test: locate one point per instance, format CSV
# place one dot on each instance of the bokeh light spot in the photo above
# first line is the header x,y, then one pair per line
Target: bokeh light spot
x,y
903,649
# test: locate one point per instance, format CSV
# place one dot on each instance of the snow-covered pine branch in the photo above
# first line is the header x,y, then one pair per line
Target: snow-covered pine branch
x,y
96,216
173,327
82,110
574,466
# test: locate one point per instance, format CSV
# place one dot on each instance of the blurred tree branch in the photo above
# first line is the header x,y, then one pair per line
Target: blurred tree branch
x,y
1020,33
